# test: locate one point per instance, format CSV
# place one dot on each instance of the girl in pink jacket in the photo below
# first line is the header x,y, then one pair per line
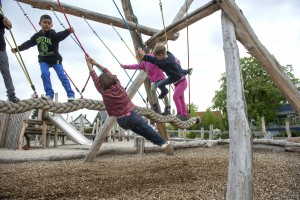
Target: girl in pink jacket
x,y
155,75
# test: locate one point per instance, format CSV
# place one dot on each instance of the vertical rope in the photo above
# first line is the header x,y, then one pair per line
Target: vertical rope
x,y
188,54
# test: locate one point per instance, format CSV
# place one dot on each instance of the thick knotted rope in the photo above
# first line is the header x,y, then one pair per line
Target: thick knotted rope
x,y
51,106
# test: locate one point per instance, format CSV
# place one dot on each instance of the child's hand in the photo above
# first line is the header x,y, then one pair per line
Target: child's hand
x,y
141,52
7,23
71,30
90,60
14,50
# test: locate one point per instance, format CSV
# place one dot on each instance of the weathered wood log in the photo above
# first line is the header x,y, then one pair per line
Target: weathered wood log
x,y
180,24
294,139
104,19
100,137
248,38
280,143
239,184
139,143
294,147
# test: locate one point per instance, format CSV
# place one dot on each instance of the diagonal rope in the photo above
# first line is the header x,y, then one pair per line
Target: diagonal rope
x,y
163,20
132,36
80,92
21,59
112,55
25,14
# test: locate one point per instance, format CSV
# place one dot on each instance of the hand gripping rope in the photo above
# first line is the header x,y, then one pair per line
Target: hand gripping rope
x,y
34,95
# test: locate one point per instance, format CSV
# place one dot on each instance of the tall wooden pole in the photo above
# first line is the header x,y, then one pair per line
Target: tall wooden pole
x,y
239,184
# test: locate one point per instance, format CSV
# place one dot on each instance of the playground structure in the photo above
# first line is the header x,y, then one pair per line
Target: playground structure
x,y
234,25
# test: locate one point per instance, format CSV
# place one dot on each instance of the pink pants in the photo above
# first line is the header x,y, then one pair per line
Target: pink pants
x,y
178,97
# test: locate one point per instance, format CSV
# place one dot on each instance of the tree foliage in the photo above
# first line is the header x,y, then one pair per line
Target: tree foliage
x,y
262,95
210,118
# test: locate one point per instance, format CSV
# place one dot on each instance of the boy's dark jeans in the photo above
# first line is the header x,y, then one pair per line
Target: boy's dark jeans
x,y
137,124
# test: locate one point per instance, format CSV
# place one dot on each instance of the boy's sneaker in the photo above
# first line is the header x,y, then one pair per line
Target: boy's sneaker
x,y
14,99
168,147
190,71
167,110
71,99
163,93
155,107
46,97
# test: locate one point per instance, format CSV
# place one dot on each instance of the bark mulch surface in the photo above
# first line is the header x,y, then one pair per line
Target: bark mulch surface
x,y
198,173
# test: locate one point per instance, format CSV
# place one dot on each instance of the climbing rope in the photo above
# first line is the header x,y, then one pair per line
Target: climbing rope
x,y
188,54
25,14
25,105
130,79
60,22
133,38
21,60
80,92
123,41
163,20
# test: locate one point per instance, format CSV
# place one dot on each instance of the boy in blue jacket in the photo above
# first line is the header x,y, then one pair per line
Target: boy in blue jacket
x,y
47,41
166,61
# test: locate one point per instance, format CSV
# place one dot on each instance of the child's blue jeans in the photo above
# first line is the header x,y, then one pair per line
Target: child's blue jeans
x,y
137,124
61,75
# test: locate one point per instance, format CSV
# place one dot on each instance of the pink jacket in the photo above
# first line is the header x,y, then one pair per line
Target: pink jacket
x,y
154,73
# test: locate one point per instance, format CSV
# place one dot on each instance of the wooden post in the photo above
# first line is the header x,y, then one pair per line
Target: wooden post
x,y
94,128
44,134
139,143
3,124
20,144
263,127
202,133
55,136
211,131
287,128
101,135
240,177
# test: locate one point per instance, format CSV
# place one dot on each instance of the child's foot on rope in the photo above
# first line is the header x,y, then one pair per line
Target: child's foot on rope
x,y
167,110
168,147
163,93
71,99
190,71
46,97
155,107
14,99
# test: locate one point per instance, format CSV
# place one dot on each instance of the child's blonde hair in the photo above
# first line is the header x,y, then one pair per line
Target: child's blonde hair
x,y
160,49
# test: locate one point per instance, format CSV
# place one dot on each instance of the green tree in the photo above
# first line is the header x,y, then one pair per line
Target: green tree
x,y
262,95
210,118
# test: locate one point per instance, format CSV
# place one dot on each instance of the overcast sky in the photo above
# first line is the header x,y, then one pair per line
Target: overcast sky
x,y
275,22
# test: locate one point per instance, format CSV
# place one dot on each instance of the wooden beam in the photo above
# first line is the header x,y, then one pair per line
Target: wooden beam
x,y
180,24
239,184
104,19
247,37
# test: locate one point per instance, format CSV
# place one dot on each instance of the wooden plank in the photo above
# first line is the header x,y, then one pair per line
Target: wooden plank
x,y
91,15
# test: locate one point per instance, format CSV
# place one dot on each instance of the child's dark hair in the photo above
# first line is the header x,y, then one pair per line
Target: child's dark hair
x,y
159,49
45,17
107,79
